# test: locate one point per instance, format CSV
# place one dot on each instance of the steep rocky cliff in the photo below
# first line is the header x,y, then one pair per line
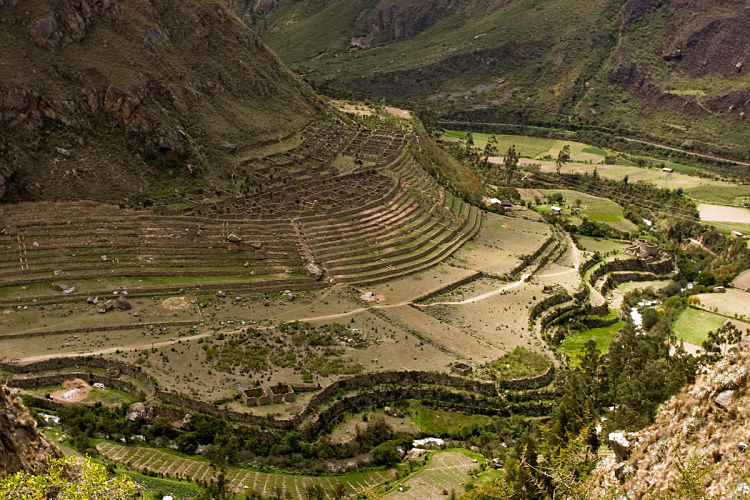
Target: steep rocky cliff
x,y
107,99
699,440
22,446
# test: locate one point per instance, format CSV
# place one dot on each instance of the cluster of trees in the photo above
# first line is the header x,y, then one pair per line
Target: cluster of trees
x,y
641,370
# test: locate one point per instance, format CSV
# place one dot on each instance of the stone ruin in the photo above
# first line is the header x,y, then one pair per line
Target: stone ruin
x,y
643,250
275,394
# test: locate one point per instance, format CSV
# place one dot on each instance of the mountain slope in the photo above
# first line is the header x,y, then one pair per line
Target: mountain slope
x,y
677,70
698,443
141,96
22,447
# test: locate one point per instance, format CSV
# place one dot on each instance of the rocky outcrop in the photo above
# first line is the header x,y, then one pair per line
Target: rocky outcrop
x,y
704,428
700,39
131,88
68,22
22,446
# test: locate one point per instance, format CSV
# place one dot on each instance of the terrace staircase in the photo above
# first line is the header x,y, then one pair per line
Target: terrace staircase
x,y
369,226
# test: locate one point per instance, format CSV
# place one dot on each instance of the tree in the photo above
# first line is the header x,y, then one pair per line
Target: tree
x,y
469,143
385,453
563,157
339,491
511,162
721,342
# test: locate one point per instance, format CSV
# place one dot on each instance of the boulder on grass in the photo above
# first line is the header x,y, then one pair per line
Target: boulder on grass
x,y
123,303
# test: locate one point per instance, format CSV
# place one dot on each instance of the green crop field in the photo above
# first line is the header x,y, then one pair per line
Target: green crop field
x,y
171,465
720,193
531,147
595,208
573,345
520,362
693,325
601,245
438,422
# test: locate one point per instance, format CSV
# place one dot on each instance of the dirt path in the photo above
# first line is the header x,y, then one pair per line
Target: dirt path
x,y
164,343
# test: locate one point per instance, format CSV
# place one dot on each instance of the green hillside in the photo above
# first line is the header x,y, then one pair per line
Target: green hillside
x,y
635,67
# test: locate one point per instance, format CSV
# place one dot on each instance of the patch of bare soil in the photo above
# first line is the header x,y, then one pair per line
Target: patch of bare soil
x,y
175,303
527,193
80,386
372,297
720,213
743,281
398,112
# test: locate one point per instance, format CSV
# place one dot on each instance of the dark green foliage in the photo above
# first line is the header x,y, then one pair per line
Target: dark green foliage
x,y
386,453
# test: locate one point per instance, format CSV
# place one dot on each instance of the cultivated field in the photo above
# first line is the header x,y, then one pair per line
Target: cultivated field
x,y
446,471
719,213
240,480
693,325
573,345
601,245
733,303
743,281
595,208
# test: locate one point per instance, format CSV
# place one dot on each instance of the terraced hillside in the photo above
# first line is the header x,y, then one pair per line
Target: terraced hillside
x,y
240,480
304,223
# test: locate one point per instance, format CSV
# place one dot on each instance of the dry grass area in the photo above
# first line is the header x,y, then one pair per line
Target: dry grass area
x,y
422,283
501,321
54,317
743,281
449,339
500,243
734,303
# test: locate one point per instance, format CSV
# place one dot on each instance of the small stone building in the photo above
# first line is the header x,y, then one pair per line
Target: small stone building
x,y
275,394
282,393
461,368
256,396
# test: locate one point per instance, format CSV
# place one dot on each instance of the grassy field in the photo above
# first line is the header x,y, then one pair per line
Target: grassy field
x,y
439,422
595,208
719,193
601,245
520,362
693,325
734,303
532,147
573,344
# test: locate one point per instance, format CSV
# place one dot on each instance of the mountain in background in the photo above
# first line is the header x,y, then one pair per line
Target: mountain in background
x,y
103,100
677,70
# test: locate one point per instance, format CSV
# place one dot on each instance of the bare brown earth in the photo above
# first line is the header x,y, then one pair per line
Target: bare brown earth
x,y
82,387
743,281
